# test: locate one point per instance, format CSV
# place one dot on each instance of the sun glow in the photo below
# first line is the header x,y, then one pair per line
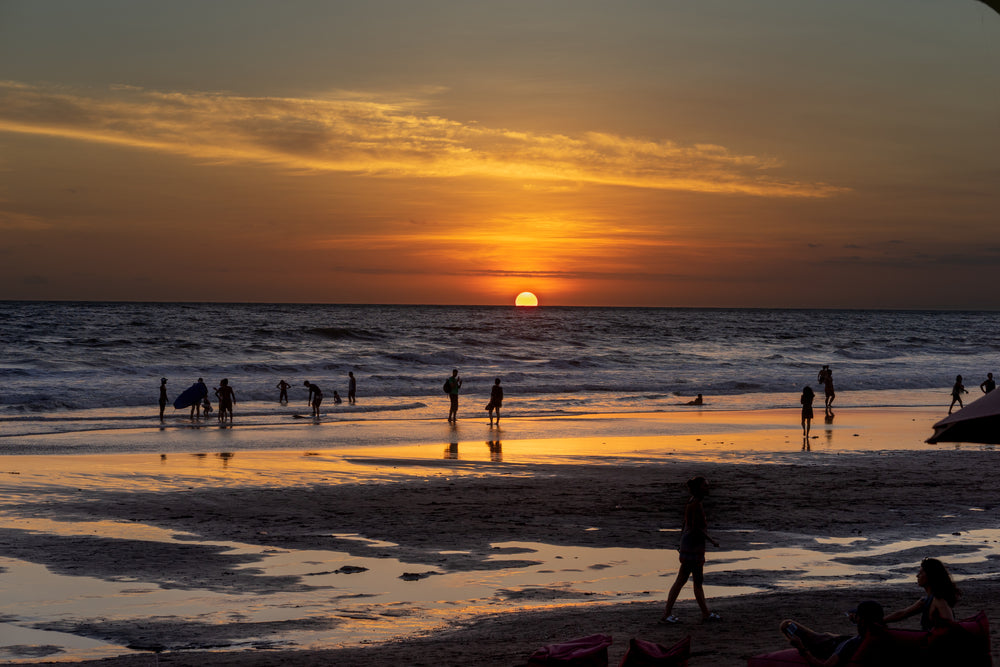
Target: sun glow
x,y
526,299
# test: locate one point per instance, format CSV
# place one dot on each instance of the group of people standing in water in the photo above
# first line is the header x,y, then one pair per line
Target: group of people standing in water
x,y
224,395
935,607
227,397
825,378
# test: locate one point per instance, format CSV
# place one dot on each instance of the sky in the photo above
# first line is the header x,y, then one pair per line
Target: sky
x,y
719,153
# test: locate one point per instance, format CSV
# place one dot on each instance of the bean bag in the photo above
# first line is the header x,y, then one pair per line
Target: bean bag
x,y
642,653
968,645
589,651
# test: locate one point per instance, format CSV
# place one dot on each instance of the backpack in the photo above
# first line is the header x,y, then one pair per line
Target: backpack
x,y
447,386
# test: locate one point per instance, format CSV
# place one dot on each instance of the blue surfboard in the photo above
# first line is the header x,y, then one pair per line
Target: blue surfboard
x,y
190,396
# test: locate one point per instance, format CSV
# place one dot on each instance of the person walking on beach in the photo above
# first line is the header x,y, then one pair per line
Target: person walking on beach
x,y
956,393
315,398
352,388
163,397
227,398
807,409
283,392
496,400
451,387
692,553
825,378
988,384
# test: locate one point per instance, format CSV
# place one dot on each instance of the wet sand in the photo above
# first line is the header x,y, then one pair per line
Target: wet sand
x,y
868,493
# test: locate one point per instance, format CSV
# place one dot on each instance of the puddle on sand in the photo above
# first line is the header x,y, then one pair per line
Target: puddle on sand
x,y
354,600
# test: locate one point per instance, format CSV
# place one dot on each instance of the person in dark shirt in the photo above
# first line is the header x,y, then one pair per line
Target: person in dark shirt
x,y
163,396
825,649
315,397
496,400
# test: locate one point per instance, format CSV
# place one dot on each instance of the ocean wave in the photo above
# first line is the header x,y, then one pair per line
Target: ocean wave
x,y
341,333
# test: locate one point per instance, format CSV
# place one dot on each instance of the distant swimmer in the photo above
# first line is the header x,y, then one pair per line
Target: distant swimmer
x,y
337,400
956,394
352,388
697,401
315,397
283,391
987,385
825,378
163,396
496,400
451,387
807,409
227,399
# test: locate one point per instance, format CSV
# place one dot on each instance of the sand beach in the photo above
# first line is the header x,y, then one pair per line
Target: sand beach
x,y
470,545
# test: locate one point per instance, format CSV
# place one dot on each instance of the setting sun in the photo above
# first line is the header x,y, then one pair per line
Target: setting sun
x,y
526,299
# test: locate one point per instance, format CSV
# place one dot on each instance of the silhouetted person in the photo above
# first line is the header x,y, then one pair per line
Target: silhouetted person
x,y
163,396
956,393
692,553
807,409
825,378
825,649
697,401
206,406
227,398
496,400
453,384
283,391
352,388
936,607
988,384
202,393
337,400
315,397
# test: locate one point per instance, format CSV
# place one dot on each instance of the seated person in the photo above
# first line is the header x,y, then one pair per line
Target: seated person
x,y
825,649
935,608
697,401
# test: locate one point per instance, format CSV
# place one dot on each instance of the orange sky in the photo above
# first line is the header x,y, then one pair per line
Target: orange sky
x,y
719,153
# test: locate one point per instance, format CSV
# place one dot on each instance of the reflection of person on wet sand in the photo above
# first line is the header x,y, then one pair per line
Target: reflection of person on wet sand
x,y
825,649
956,393
807,409
163,396
694,533
283,391
825,378
697,401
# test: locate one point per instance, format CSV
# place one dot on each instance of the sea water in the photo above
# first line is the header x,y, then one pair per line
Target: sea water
x,y
61,358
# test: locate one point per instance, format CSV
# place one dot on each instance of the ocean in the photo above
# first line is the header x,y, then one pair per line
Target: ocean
x,y
62,359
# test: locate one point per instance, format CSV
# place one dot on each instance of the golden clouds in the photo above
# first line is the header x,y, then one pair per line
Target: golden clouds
x,y
347,134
